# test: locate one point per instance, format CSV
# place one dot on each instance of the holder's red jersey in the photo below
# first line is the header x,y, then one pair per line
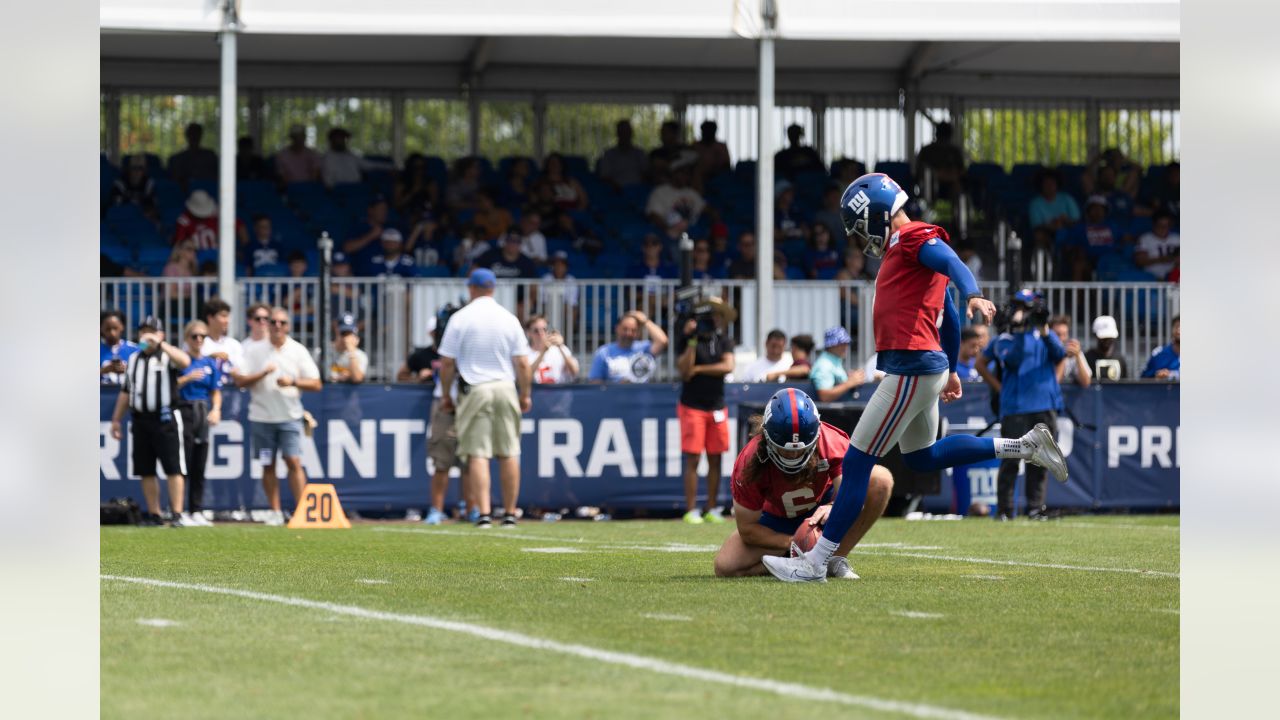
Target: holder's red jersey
x,y
775,492
909,296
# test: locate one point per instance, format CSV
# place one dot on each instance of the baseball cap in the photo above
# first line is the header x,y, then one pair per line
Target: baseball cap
x,y
560,255
1026,295
835,336
347,323
482,278
392,235
1104,327
150,322
1096,200
339,258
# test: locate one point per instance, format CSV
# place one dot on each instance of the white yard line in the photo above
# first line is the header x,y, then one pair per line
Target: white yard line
x,y
895,549
916,615
639,662
372,581
1124,526
1019,563
158,622
577,579
666,617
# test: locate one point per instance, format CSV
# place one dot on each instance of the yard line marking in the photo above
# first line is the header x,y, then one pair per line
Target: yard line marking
x,y
506,535
1020,563
371,581
639,662
552,550
158,622
664,616
986,577
577,579
1126,526
669,547
916,614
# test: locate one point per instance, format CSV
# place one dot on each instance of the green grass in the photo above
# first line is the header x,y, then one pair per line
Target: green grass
x,y
1036,643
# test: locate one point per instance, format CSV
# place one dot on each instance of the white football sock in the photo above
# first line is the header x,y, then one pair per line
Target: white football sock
x,y
821,552
1012,448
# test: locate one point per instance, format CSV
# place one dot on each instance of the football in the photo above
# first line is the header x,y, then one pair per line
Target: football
x,y
806,536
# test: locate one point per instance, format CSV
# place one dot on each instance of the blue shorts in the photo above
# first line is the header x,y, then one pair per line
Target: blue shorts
x,y
268,438
788,526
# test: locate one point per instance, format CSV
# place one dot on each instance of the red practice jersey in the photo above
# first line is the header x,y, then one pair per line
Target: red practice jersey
x,y
909,296
775,492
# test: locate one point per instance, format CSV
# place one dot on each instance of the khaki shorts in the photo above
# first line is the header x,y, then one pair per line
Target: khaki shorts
x,y
488,421
442,442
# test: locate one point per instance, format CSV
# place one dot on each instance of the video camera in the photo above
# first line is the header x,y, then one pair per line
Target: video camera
x,y
690,304
1025,311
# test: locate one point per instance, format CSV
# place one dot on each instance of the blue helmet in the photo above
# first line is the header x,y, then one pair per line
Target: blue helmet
x,y
867,208
1027,297
791,423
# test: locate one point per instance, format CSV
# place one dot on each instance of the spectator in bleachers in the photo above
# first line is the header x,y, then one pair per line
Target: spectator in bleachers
x,y
464,184
1165,195
350,364
341,165
264,248
1106,363
944,160
346,296
821,260
1158,252
653,266
847,170
675,205
507,261
470,249
628,359
182,260
134,187
199,223
797,158
194,163
532,242
360,243
1087,241
297,262
249,164
552,361
296,162
670,149
854,267
490,220
828,374
301,297
776,360
425,238
720,257
1166,362
1051,211
393,260
1110,171
700,261
1072,369
829,213
518,183
558,285
743,267
801,361
413,190
114,350
624,163
788,221
569,193
713,155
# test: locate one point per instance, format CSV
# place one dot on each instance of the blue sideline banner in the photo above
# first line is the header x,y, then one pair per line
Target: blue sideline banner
x,y
619,446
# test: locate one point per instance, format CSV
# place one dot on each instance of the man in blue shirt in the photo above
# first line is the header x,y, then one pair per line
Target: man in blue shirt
x,y
829,378
113,349
1166,362
392,260
1028,352
629,359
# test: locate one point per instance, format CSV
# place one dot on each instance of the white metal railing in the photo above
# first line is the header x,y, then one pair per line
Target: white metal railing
x,y
392,313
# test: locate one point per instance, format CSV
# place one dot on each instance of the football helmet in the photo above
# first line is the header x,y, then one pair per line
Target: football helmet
x,y
867,208
791,424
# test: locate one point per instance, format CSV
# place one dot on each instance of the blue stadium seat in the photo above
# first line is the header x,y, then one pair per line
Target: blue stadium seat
x,y
637,195
275,270
795,273
1139,226
576,166
1023,175
434,271
118,215
307,196
168,194
209,186
745,170
353,196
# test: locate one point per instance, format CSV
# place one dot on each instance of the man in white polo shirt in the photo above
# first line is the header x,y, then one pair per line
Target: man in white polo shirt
x,y
275,371
486,347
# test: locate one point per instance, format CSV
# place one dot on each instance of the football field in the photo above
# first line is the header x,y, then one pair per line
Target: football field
x,y
973,619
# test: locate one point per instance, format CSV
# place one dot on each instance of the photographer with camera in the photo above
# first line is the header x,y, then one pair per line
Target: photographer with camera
x,y
704,356
1028,353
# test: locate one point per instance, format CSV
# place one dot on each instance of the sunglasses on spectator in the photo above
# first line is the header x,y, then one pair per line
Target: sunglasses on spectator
x,y
280,323
197,336
261,318
537,329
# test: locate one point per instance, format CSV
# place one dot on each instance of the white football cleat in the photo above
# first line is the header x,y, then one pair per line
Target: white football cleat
x,y
794,569
838,567
275,518
1045,452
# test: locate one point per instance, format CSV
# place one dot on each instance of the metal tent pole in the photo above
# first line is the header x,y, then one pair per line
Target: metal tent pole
x,y
227,161
764,172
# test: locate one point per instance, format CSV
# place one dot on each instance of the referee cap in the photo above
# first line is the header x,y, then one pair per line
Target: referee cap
x,y
150,322
482,278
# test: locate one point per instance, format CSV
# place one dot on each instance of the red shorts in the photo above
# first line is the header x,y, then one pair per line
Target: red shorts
x,y
701,431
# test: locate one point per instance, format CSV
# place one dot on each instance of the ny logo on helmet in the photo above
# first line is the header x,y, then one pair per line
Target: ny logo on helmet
x,y
859,202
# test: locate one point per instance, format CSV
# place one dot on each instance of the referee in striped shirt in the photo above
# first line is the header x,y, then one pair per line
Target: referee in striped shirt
x,y
150,392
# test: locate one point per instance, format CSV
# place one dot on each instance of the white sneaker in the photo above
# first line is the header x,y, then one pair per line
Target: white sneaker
x,y
794,569
838,567
192,520
1045,452
275,518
